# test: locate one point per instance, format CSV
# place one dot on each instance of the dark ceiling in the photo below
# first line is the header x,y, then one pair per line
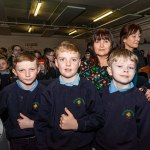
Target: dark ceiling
x,y
59,17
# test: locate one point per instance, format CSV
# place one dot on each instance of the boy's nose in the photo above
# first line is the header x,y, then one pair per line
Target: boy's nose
x,y
126,69
68,63
27,73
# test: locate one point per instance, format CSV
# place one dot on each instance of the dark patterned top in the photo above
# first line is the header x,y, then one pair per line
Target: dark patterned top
x,y
98,75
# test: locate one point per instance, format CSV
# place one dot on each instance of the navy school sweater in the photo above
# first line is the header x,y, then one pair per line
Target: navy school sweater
x,y
127,121
14,100
85,104
4,80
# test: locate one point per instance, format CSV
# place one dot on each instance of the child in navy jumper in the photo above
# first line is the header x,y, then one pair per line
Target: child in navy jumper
x,y
5,75
20,100
127,122
71,108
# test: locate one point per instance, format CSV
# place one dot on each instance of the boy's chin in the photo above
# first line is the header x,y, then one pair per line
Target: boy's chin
x,y
28,82
125,82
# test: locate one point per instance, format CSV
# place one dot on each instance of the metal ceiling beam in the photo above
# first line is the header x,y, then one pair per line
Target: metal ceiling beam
x,y
44,25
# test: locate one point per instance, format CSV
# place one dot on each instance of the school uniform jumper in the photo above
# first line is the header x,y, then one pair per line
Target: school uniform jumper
x,y
14,101
83,101
127,121
5,79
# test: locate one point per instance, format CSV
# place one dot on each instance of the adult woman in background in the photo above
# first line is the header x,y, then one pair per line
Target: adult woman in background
x,y
103,44
130,36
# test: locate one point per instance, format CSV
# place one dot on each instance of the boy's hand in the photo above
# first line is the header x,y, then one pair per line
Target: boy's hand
x,y
67,121
147,94
25,122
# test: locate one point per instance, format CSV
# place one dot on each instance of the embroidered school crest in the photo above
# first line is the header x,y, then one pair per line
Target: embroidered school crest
x,y
128,113
79,101
35,105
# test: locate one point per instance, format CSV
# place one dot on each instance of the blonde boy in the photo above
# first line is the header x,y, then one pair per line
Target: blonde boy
x,y
71,108
127,110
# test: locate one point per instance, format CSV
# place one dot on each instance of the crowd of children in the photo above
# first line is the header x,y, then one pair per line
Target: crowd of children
x,y
71,113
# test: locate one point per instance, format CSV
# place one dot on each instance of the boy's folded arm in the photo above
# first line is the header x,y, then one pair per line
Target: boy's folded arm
x,y
90,122
94,117
25,122
87,123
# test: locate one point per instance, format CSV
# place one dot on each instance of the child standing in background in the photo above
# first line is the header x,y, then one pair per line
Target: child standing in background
x,y
16,49
5,76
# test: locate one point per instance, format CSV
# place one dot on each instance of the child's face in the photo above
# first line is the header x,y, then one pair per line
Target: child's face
x,y
122,72
68,64
26,71
37,55
41,65
3,64
16,50
50,56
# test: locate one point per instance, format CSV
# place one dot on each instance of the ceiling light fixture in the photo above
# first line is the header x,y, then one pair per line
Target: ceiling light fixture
x,y
74,31
105,15
30,28
37,7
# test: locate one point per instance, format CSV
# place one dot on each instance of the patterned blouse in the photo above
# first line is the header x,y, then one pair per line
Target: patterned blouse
x,y
98,75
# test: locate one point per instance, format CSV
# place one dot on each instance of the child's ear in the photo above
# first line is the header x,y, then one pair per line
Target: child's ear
x,y
14,71
7,65
38,69
79,62
56,63
109,70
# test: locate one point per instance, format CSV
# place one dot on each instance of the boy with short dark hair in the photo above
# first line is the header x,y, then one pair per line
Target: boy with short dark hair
x,y
21,100
71,109
127,122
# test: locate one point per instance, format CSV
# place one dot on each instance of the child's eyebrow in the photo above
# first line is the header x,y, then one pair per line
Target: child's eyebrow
x,y
74,57
28,68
